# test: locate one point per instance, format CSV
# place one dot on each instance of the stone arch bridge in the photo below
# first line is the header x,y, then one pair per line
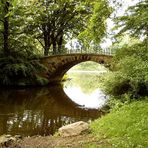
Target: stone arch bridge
x,y
58,65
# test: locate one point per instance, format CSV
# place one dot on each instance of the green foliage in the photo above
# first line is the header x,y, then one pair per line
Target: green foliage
x,y
96,28
20,71
125,127
124,42
135,21
16,17
84,81
52,22
17,48
28,27
41,81
130,65
130,72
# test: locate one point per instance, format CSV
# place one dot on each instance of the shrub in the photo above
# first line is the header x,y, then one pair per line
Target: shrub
x,y
130,72
19,71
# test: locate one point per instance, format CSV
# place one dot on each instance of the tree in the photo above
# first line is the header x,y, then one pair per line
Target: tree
x,y
16,52
135,22
97,24
13,38
5,9
57,20
28,24
130,75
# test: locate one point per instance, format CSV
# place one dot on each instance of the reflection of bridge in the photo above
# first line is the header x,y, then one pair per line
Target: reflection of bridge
x,y
58,65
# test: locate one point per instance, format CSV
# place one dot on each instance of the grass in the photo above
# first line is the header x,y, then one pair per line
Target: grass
x,y
126,127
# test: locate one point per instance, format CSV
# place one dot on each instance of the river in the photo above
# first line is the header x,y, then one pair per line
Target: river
x,y
42,110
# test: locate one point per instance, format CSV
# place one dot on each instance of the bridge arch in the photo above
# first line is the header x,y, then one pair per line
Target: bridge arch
x,y
58,65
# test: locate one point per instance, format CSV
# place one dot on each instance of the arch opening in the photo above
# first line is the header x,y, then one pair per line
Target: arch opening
x,y
88,66
83,85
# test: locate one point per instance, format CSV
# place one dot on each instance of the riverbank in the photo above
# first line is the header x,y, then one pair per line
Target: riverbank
x,y
124,127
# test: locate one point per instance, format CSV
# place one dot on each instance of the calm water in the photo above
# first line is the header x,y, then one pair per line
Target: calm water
x,y
42,111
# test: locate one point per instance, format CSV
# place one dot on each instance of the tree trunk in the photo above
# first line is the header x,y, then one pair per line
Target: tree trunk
x,y
46,51
6,30
47,39
54,47
60,41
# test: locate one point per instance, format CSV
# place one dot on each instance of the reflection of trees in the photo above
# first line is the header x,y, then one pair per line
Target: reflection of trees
x,y
38,111
87,82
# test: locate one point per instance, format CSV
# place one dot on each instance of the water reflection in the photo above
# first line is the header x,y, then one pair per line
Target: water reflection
x,y
84,90
40,111
96,99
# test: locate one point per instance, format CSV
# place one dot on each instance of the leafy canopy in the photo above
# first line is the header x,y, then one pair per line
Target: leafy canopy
x,y
135,22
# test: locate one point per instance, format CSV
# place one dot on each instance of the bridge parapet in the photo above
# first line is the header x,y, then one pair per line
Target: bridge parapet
x,y
72,51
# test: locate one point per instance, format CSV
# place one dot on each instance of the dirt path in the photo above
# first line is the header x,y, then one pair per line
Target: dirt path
x,y
81,141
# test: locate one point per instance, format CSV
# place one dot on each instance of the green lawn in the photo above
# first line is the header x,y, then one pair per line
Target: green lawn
x,y
126,127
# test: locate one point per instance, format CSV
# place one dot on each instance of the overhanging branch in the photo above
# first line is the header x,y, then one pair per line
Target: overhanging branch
x,y
41,43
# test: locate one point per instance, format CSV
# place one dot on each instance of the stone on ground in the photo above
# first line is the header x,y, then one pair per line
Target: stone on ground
x,y
73,129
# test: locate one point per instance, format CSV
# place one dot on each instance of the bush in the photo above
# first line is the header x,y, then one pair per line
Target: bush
x,y
130,73
20,71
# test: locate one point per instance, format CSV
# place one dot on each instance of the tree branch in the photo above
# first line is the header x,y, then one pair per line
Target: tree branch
x,y
41,43
2,32
2,21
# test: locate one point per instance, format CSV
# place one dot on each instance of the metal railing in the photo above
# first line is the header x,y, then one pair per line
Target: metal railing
x,y
83,51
